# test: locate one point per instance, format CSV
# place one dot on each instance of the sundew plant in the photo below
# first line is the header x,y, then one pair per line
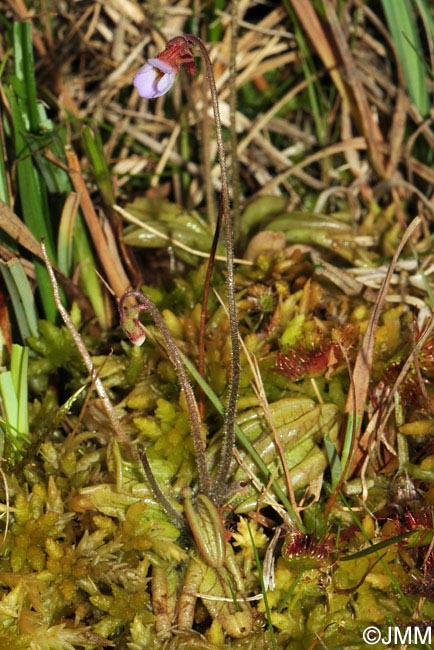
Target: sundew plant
x,y
216,389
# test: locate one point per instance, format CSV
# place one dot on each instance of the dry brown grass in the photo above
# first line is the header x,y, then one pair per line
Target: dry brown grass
x,y
86,65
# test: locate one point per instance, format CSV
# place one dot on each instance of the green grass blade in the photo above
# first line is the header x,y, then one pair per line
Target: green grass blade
x,y
16,300
374,548
95,151
38,177
22,298
334,461
91,283
4,193
290,591
263,589
215,28
403,27
14,396
24,72
82,251
425,10
384,564
33,196
315,93
9,399
19,366
72,244
74,248
66,233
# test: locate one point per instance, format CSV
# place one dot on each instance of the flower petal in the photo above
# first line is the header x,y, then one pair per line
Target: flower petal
x,y
161,65
165,83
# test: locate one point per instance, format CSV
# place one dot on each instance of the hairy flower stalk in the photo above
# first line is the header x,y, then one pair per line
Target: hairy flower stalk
x,y
131,324
154,79
225,213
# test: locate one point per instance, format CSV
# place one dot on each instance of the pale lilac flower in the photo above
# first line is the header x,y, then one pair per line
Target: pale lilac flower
x,y
154,78
157,76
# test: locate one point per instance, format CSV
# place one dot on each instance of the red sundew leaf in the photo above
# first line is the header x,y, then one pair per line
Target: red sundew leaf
x,y
426,358
317,361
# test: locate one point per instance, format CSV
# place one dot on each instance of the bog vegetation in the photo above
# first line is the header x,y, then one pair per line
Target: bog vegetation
x,y
216,317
